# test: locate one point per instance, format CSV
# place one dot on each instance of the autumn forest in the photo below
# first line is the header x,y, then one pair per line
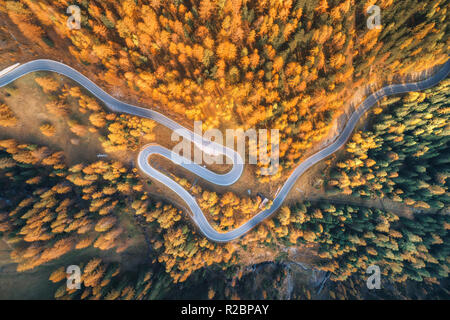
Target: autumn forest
x,y
72,194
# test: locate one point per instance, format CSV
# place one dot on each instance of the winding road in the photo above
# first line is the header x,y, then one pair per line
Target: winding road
x,y
11,73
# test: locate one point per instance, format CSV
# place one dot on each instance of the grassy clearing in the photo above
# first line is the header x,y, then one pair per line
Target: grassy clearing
x,y
27,100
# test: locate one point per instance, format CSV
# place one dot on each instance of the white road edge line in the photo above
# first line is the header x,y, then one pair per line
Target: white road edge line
x,y
8,69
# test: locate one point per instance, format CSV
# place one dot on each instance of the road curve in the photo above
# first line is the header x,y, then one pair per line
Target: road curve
x,y
12,73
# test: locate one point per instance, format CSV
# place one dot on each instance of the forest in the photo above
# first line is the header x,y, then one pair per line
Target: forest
x,y
286,65
52,209
290,65
405,156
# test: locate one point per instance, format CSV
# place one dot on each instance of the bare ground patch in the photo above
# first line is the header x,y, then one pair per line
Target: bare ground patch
x,y
27,101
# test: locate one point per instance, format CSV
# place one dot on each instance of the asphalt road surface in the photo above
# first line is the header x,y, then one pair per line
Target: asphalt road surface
x,y
16,71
